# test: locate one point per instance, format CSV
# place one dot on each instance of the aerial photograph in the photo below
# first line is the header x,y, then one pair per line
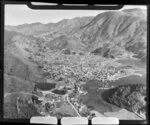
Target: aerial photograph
x,y
75,63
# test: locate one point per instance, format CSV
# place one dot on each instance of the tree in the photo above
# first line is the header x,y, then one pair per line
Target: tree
x,y
67,51
126,96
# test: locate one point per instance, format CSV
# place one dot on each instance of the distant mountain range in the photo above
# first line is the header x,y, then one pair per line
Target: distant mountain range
x,y
110,34
39,28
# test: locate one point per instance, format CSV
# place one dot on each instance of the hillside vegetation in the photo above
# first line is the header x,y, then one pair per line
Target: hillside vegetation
x,y
130,97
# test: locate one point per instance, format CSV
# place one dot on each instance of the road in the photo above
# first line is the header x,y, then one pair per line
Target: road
x,y
8,94
73,106
67,99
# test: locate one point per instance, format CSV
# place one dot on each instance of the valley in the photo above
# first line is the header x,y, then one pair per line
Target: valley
x,y
77,67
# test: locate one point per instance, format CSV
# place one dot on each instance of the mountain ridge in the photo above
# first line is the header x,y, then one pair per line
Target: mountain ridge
x,y
124,29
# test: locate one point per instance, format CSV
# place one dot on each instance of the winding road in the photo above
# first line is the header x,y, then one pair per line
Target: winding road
x,y
67,99
27,93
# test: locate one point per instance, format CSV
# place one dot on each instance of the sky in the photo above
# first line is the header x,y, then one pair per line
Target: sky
x,y
21,14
